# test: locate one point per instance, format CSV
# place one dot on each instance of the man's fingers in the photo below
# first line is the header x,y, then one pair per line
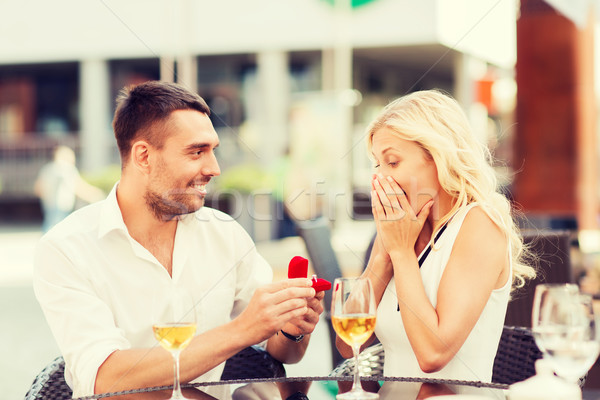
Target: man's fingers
x,y
287,283
315,305
292,293
290,313
307,322
290,304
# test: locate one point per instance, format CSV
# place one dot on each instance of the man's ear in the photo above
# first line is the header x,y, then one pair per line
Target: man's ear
x,y
140,156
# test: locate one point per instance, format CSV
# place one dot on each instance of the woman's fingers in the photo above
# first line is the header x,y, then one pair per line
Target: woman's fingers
x,y
377,208
390,196
399,194
402,199
424,212
383,198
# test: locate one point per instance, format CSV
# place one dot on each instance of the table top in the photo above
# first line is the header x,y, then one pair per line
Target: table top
x,y
387,387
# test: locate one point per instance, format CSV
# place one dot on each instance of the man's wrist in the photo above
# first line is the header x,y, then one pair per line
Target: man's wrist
x,y
293,338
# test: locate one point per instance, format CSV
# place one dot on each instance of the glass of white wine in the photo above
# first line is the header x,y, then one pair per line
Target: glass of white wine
x,y
564,328
174,326
353,315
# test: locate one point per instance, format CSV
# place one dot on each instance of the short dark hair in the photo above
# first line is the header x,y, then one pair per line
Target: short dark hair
x,y
141,108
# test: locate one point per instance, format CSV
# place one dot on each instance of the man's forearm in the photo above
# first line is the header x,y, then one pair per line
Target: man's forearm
x,y
138,368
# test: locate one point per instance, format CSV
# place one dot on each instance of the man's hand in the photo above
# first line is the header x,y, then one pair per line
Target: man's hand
x,y
289,351
306,324
274,305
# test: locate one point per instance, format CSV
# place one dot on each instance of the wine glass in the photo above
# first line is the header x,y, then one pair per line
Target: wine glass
x,y
564,329
353,315
174,326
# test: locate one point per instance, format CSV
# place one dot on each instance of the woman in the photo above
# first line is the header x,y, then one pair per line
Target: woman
x,y
447,251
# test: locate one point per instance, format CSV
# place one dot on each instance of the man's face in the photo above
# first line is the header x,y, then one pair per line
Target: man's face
x,y
182,168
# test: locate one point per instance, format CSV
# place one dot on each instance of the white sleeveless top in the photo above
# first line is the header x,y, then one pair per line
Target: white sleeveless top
x,y
475,359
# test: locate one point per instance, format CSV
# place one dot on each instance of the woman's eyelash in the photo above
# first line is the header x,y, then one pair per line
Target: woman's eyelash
x,y
376,166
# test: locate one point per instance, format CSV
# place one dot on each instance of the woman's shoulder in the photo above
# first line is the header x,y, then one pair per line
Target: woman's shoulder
x,y
479,216
479,228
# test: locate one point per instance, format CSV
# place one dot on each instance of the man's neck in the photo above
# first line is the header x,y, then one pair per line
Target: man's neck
x,y
157,236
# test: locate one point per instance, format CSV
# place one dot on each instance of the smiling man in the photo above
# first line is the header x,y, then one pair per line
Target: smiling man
x,y
97,272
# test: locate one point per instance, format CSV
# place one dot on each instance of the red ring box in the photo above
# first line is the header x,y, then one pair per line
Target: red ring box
x,y
298,268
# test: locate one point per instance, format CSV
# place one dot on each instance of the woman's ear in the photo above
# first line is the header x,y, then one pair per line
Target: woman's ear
x,y
140,156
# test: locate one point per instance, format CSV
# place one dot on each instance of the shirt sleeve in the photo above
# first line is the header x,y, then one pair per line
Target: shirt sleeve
x,y
253,271
80,321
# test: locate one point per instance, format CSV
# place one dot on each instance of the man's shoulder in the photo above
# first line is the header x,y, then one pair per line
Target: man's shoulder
x,y
85,219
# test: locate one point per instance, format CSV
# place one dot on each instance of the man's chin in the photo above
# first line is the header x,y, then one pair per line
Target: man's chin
x,y
199,204
195,205
175,210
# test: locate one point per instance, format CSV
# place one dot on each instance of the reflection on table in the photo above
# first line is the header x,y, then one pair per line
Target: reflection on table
x,y
388,388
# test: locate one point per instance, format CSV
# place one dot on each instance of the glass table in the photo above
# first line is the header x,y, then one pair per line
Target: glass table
x,y
387,387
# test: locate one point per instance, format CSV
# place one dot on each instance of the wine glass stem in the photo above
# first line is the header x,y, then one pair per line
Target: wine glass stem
x,y
356,383
176,387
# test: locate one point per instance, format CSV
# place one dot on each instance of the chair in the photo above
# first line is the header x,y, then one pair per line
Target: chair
x,y
370,363
316,235
252,362
552,250
516,356
50,383
514,362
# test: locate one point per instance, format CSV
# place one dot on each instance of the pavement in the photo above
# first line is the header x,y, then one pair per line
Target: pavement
x,y
29,344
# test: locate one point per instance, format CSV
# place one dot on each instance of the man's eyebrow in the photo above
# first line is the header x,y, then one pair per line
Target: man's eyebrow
x,y
199,146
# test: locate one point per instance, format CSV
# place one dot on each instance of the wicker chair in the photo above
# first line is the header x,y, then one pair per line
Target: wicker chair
x,y
515,359
516,356
252,362
370,363
50,383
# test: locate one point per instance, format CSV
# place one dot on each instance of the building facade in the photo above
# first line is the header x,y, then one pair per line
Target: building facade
x,y
298,78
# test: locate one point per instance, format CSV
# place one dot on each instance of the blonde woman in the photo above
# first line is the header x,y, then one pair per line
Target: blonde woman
x,y
447,251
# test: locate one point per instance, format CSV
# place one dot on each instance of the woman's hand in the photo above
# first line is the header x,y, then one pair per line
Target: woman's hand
x,y
398,225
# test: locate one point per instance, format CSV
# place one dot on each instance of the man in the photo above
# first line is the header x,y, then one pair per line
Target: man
x,y
97,272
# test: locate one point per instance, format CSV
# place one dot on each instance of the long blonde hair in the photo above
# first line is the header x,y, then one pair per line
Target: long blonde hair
x,y
438,124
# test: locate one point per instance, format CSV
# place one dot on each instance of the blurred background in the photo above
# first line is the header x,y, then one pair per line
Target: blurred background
x,y
292,85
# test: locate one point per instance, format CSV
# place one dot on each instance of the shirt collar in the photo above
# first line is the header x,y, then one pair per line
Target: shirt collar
x,y
110,215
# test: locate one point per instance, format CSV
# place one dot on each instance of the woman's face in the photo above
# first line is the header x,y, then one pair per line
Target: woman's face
x,y
409,165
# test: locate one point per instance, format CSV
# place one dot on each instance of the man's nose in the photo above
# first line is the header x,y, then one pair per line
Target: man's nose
x,y
212,167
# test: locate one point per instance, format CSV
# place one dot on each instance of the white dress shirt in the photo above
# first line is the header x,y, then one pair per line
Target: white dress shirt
x,y
95,283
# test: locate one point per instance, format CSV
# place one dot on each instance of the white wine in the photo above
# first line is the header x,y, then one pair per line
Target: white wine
x,y
354,329
174,336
